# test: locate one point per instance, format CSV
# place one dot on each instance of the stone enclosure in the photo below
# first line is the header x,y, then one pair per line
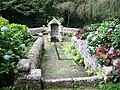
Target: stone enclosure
x,y
30,72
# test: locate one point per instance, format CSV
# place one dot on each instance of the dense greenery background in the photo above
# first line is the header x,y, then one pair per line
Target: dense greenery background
x,y
73,13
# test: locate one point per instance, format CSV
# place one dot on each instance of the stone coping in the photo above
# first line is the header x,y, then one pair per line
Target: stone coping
x,y
71,82
35,31
33,58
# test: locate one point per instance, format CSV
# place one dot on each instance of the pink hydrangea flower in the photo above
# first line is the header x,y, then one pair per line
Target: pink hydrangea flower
x,y
111,51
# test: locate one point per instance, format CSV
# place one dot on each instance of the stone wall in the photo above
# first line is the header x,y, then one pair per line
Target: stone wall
x,y
90,61
69,30
35,31
29,74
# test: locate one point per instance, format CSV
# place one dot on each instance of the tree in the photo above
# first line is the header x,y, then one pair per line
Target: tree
x,y
107,8
29,12
67,10
85,9
92,10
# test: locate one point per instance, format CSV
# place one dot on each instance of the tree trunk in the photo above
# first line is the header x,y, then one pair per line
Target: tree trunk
x,y
68,21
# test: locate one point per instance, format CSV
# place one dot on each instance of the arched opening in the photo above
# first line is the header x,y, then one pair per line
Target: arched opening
x,y
54,32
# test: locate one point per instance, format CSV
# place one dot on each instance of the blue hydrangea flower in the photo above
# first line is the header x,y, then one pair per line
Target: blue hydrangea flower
x,y
6,57
22,45
4,28
91,47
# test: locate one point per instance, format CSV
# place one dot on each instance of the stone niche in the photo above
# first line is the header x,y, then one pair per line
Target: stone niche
x,y
54,30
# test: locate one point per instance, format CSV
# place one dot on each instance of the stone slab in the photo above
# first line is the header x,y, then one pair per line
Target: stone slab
x,y
60,83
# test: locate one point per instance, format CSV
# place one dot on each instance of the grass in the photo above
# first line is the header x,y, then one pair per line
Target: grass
x,y
109,86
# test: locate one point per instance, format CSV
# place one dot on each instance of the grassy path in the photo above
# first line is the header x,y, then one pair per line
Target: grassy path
x,y
54,68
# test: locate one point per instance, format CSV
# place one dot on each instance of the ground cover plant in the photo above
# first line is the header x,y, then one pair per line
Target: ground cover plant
x,y
70,50
14,38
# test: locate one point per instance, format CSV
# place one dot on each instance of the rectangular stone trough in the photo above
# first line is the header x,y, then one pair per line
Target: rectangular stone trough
x,y
30,73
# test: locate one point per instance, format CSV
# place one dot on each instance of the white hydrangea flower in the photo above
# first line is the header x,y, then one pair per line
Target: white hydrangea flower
x,y
94,38
90,35
96,32
91,47
88,50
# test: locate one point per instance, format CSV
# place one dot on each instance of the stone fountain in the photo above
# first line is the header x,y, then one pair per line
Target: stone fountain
x,y
54,30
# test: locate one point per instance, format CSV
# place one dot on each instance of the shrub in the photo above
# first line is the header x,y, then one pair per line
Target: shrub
x,y
3,21
13,41
81,34
92,27
105,43
105,36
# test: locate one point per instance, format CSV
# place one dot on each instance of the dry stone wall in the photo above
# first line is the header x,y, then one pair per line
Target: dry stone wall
x,y
35,31
90,61
29,72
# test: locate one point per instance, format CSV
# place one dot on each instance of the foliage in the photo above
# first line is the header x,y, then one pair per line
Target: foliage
x,y
71,51
90,71
23,11
67,34
109,86
74,12
108,7
92,27
13,88
99,73
81,34
14,38
105,43
3,21
67,9
85,9
104,37
25,7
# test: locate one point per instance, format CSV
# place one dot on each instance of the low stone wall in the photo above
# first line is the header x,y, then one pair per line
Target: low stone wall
x,y
69,30
90,61
35,31
70,82
29,74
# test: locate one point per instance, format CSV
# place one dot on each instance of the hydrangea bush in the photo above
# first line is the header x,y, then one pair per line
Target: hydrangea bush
x,y
13,41
105,43
106,36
